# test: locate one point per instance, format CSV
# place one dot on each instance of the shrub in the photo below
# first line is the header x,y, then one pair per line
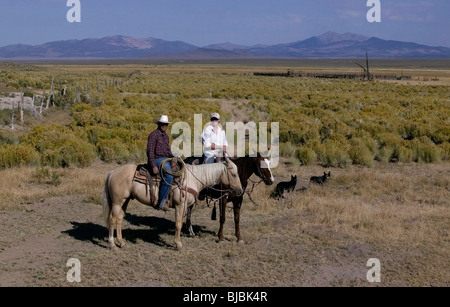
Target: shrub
x,y
333,154
361,155
7,137
389,145
306,155
17,155
425,150
59,146
406,155
287,150
112,150
385,154
445,151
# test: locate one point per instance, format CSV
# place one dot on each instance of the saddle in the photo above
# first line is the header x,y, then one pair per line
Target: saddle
x,y
143,175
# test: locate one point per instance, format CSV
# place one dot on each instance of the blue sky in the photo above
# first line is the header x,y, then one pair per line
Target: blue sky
x,y
204,22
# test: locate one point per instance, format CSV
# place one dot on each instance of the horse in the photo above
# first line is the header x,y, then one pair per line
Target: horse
x,y
247,166
120,188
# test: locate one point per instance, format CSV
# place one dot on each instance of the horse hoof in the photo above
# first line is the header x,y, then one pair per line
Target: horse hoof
x,y
179,246
241,242
120,243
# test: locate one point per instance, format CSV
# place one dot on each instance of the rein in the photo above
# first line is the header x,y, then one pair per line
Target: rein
x,y
254,185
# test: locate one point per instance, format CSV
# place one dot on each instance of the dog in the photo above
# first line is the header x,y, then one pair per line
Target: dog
x,y
284,186
320,179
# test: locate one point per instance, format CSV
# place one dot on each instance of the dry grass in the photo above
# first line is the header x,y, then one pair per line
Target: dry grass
x,y
319,237
24,185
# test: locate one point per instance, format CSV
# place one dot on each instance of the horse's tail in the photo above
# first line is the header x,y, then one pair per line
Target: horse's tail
x,y
107,204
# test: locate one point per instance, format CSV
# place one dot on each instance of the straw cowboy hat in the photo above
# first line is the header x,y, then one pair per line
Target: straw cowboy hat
x,y
163,119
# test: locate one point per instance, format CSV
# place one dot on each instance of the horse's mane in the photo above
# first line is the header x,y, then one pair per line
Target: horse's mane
x,y
206,173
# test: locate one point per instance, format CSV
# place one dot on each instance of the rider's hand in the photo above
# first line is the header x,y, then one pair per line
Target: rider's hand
x,y
155,170
173,164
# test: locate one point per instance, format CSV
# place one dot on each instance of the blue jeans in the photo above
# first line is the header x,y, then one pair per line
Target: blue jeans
x,y
207,160
166,182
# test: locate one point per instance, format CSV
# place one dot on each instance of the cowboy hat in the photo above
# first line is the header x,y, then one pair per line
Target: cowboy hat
x,y
163,119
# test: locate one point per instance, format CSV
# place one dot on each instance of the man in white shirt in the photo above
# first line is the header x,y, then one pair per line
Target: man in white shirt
x,y
214,140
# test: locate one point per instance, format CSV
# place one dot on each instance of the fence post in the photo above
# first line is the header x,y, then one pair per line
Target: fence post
x,y
21,106
12,115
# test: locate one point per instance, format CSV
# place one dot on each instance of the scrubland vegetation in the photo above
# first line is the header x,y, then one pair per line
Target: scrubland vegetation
x,y
335,123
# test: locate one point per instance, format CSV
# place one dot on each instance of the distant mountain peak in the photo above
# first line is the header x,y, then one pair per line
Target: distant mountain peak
x,y
332,37
226,46
326,45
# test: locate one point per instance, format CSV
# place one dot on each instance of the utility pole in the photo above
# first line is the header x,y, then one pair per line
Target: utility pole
x,y
367,75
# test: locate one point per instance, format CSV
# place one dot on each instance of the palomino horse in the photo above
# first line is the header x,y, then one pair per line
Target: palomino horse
x,y
247,166
120,188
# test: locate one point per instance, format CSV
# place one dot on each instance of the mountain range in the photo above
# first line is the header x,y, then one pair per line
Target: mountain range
x,y
327,45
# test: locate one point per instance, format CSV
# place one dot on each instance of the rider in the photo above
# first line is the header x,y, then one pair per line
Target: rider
x,y
158,150
214,140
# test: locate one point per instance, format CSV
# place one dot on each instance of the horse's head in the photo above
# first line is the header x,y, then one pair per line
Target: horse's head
x,y
231,177
263,170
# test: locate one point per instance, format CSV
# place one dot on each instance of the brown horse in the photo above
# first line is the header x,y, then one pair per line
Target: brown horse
x,y
247,166
120,188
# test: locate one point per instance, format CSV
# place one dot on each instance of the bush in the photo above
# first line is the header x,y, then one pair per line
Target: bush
x,y
425,150
333,154
445,151
17,155
406,155
389,146
112,150
59,146
287,150
385,154
7,137
306,155
361,155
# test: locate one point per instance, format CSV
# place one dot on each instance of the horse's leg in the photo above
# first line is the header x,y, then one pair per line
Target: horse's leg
x,y
179,211
112,221
222,208
180,207
120,213
237,212
189,223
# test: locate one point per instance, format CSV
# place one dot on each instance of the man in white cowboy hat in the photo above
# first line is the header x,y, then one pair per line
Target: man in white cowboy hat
x,y
214,140
158,150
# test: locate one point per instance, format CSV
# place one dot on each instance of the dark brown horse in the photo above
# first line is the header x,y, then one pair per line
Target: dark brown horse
x,y
247,166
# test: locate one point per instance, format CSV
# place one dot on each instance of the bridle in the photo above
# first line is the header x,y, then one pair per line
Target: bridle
x,y
255,183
